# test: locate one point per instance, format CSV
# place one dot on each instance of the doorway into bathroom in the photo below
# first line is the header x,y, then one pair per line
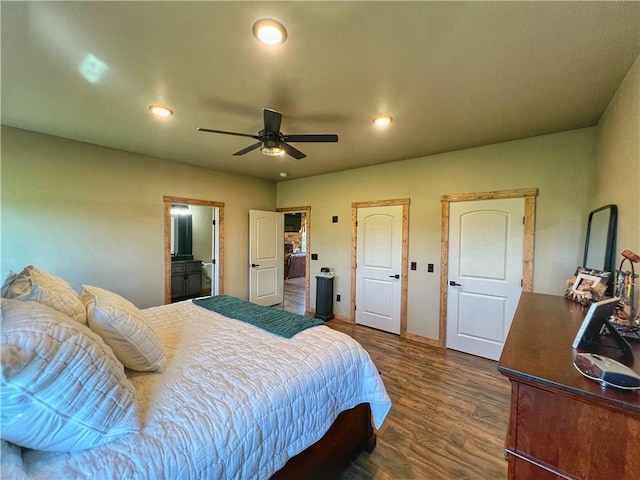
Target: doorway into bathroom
x,y
297,240
194,233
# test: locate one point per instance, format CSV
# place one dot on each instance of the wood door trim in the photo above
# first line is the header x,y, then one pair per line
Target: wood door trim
x,y
168,200
307,270
404,202
529,195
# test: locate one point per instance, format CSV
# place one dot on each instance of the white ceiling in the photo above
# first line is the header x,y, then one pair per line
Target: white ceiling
x,y
453,75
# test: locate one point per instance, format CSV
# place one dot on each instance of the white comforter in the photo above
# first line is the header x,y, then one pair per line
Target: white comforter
x,y
235,402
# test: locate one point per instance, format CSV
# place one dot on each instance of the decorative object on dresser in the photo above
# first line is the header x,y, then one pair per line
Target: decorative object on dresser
x,y
591,335
562,424
587,285
625,288
606,371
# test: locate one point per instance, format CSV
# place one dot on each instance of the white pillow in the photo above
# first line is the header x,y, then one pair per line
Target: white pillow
x,y
36,285
12,465
62,388
124,328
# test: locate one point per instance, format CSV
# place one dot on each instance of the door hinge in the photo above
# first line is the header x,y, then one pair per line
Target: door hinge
x,y
355,307
521,282
524,220
213,261
213,222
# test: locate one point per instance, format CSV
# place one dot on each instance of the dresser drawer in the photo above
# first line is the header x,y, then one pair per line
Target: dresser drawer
x,y
178,268
589,440
521,469
193,267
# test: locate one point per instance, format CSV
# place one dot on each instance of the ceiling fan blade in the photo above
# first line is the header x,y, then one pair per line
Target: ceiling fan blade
x,y
272,121
248,149
321,137
228,133
294,152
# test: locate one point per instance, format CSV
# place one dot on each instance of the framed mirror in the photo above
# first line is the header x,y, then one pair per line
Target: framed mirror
x,y
181,233
600,242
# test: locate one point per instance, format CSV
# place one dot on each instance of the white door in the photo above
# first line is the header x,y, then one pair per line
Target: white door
x,y
266,257
485,273
215,251
378,267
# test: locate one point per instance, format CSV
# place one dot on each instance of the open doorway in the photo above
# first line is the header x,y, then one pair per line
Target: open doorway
x,y
193,234
297,223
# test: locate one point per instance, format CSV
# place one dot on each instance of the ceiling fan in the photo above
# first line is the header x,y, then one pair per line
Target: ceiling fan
x,y
272,141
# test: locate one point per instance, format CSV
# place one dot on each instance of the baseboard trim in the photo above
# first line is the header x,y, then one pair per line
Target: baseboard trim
x,y
420,339
342,318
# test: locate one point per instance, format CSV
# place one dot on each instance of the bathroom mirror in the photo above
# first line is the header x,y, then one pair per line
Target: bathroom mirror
x,y
181,237
600,242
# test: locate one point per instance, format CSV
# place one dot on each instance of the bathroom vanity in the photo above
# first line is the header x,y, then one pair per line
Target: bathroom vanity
x,y
186,279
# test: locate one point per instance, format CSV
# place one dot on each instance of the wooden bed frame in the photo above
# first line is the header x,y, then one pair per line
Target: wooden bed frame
x,y
351,432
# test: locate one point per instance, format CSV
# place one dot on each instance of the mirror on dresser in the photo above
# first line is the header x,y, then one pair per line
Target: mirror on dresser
x,y
600,242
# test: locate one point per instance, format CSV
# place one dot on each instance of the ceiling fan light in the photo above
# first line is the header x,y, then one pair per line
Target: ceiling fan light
x,y
269,31
272,151
382,120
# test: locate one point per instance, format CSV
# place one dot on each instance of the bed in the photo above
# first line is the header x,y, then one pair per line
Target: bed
x,y
232,401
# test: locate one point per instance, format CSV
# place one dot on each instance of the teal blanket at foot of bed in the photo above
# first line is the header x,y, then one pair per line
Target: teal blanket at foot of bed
x,y
279,322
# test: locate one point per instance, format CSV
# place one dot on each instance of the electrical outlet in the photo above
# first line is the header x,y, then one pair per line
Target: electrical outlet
x,y
430,267
338,298
414,266
334,219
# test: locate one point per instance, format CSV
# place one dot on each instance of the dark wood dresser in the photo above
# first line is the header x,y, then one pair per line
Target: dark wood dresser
x,y
563,425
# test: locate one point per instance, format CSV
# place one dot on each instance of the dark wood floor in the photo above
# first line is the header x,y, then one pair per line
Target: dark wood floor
x,y
294,295
449,415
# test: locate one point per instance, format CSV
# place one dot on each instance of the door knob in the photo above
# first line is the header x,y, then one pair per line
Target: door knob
x,y
454,284
394,276
253,265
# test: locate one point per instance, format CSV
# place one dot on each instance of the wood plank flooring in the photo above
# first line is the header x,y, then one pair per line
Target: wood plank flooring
x,y
449,415
294,295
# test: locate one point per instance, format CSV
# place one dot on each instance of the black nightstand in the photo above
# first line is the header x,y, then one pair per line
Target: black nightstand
x,y
324,297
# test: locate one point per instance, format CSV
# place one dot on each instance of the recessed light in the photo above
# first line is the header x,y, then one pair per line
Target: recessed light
x,y
284,174
269,31
382,120
160,110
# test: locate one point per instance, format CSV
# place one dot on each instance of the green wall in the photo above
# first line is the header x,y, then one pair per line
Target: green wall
x,y
94,215
560,166
618,163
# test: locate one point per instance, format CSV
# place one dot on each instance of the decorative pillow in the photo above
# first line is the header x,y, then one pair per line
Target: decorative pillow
x,y
36,285
62,389
12,465
124,328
